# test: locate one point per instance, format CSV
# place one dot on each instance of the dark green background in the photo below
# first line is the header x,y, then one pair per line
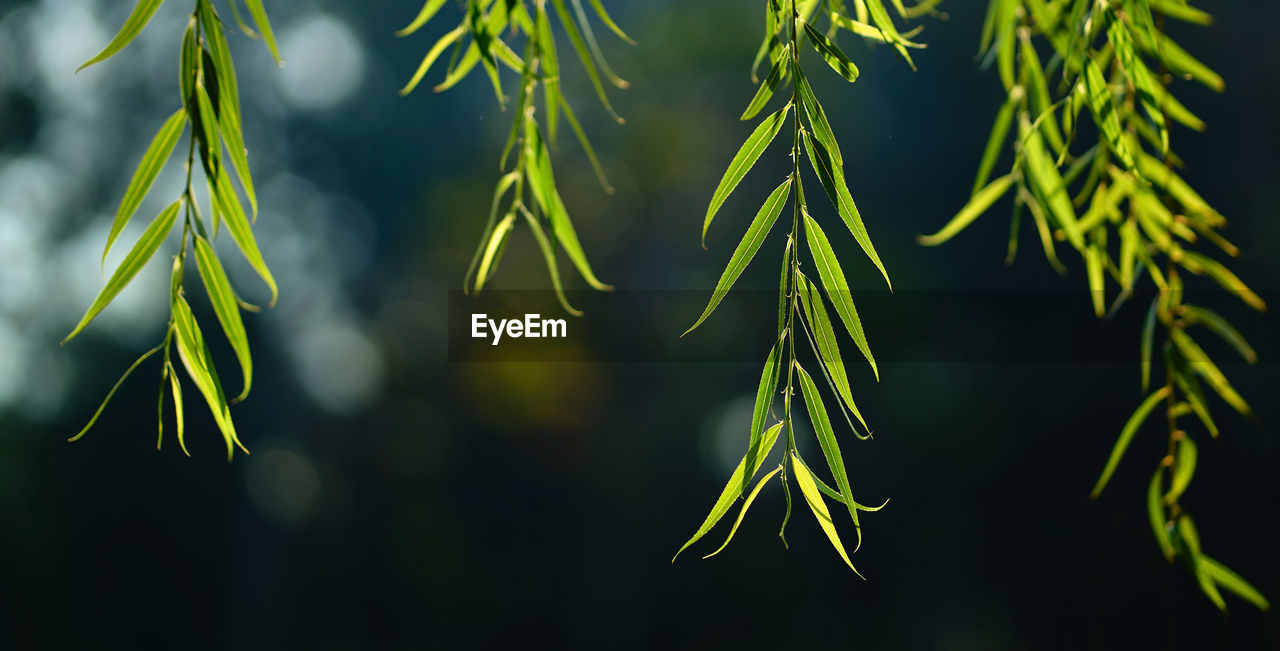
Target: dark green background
x,y
538,505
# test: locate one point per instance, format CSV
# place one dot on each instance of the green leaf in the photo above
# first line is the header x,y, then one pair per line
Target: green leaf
x,y
977,206
586,144
765,393
1232,581
1048,183
832,54
195,356
227,204
828,349
742,163
746,504
207,130
1193,314
144,177
747,248
129,371
133,25
1155,514
484,43
769,85
188,60
492,245
831,175
433,54
230,123
819,508
551,71
1199,264
543,185
1205,368
1131,427
1187,541
837,287
137,257
995,143
264,27
1097,283
830,446
225,307
575,37
179,413
549,255
1148,342
1184,468
604,17
740,478
504,185
589,35
429,9
817,118
1105,113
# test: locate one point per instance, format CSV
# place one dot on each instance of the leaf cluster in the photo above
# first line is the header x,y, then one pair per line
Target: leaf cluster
x,y
1117,200
527,190
790,29
211,108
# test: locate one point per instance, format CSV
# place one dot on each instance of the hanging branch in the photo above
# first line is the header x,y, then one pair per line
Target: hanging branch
x,y
211,106
802,310
529,180
1120,205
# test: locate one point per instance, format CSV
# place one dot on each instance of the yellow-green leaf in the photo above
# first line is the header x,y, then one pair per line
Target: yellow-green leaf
x,y
137,257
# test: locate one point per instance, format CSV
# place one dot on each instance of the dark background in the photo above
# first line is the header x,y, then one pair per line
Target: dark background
x,y
538,504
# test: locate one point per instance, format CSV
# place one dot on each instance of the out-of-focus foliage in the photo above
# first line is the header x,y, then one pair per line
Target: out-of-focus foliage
x,y
1121,205
529,179
211,107
789,31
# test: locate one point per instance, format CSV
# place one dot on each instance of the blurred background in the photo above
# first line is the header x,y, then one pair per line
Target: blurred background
x,y
397,500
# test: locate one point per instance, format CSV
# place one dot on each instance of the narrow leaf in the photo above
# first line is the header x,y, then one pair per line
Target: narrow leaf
x,y
747,248
742,163
133,25
137,257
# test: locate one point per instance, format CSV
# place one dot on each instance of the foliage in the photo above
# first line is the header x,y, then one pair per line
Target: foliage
x,y
484,22
1121,195
211,107
802,310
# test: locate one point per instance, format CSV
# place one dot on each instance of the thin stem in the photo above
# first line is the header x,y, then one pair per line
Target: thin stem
x,y
795,229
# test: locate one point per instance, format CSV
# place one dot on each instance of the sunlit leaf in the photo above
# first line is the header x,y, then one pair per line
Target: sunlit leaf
x,y
747,247
133,25
746,504
264,27
153,161
542,184
225,307
830,446
1232,581
105,401
429,9
740,478
977,206
832,54
133,262
769,85
227,204
1126,436
1184,468
819,508
742,163
836,286
1155,513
